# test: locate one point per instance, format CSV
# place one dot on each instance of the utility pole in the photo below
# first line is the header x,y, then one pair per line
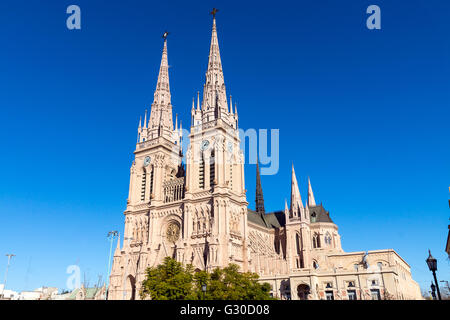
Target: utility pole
x,y
9,255
126,268
111,236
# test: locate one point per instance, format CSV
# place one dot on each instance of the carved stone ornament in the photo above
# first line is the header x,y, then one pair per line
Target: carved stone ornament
x,y
173,232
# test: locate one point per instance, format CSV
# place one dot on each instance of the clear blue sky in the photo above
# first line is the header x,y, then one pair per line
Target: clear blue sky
x,y
364,113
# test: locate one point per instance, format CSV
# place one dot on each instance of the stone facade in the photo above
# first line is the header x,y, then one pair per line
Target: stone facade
x,y
199,214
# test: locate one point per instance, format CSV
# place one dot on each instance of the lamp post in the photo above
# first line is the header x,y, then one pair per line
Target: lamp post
x,y
111,236
204,290
432,265
433,291
9,255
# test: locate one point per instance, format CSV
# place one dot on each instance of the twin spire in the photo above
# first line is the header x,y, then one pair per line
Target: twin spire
x,y
297,210
214,104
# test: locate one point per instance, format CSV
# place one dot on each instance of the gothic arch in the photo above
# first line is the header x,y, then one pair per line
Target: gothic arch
x,y
303,291
130,288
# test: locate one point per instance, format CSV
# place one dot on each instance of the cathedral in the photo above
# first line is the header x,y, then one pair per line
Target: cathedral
x,y
197,212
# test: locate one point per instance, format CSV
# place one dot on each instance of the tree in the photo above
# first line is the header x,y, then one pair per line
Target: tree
x,y
230,284
168,281
172,281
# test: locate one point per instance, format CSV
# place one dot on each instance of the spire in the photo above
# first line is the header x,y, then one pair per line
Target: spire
x,y
296,199
145,119
214,94
198,100
161,122
231,104
286,211
307,217
139,129
311,200
117,251
259,207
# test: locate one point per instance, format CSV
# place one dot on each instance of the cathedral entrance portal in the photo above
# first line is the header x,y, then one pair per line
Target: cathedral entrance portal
x,y
130,288
303,292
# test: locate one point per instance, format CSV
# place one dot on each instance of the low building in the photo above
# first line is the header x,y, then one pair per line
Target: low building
x,y
7,294
82,293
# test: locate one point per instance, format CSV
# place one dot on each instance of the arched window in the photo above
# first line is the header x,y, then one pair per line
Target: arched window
x,y
212,169
316,240
297,241
201,172
315,265
144,183
328,239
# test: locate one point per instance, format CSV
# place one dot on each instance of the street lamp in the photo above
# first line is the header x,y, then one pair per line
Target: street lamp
x,y
9,255
432,265
204,290
111,236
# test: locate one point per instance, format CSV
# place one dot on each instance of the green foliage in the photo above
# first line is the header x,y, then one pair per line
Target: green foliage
x,y
172,281
168,281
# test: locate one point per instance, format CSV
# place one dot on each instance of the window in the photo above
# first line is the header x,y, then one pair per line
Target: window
x,y
356,267
201,172
351,284
374,282
329,295
144,182
315,265
328,239
380,265
212,169
329,285
375,294
351,295
313,217
151,182
316,241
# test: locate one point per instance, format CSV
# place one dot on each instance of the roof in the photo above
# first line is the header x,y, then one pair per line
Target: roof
x,y
277,219
269,220
319,214
89,293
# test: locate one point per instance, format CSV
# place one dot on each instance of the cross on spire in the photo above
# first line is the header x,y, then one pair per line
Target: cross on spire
x,y
165,35
214,12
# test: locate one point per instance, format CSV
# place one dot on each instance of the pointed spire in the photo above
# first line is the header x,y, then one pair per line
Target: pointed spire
x,y
193,104
259,207
117,251
286,211
198,100
296,199
311,200
161,122
231,104
214,94
307,217
176,121
140,122
235,108
145,119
